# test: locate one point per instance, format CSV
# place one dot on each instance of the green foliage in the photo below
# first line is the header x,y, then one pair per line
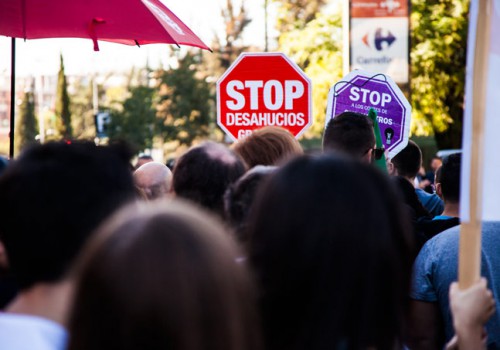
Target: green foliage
x,y
317,49
62,111
26,126
293,14
135,122
184,102
439,40
82,118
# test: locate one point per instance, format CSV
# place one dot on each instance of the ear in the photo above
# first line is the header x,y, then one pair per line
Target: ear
x,y
391,169
439,190
367,158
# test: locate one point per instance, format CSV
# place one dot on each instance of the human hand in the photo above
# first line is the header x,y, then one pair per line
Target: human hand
x,y
471,309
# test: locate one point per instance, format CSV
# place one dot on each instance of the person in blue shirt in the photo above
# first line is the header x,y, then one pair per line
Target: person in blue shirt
x,y
434,270
407,164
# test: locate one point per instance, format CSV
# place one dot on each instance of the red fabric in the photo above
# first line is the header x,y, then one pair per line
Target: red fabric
x,y
121,21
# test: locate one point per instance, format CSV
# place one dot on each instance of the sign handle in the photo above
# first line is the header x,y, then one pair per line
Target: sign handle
x,y
469,262
380,163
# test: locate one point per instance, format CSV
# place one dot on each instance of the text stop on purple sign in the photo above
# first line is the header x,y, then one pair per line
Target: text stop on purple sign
x,y
359,91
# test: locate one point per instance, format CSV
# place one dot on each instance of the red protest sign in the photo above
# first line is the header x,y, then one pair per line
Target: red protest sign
x,y
263,89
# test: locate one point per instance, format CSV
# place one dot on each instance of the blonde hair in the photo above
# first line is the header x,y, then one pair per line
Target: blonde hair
x,y
268,146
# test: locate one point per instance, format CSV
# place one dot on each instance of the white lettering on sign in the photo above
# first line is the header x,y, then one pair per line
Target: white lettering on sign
x,y
231,88
268,94
256,119
374,97
273,91
254,86
242,133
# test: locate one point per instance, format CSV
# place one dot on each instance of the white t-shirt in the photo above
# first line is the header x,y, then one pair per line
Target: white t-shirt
x,y
25,332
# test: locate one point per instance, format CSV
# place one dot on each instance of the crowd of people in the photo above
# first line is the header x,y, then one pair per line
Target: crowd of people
x,y
257,246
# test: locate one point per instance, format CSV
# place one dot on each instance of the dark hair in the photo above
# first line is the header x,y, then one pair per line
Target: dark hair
x,y
145,157
349,132
449,177
163,277
240,196
408,161
51,199
332,250
267,146
410,197
203,174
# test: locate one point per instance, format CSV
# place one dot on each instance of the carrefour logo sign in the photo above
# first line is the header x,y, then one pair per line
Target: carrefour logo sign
x,y
381,40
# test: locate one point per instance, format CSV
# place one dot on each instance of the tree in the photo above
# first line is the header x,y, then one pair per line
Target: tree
x,y
228,48
293,14
135,122
82,118
27,126
62,110
317,49
184,102
439,41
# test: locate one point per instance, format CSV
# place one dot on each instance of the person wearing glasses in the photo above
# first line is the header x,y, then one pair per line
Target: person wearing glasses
x,y
352,134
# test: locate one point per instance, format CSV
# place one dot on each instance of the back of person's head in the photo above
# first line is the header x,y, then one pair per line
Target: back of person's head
x,y
163,277
350,133
407,163
409,196
51,198
154,179
143,159
332,250
436,162
268,146
448,178
203,174
240,196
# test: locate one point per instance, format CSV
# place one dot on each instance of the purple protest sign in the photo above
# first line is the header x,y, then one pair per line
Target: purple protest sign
x,y
359,91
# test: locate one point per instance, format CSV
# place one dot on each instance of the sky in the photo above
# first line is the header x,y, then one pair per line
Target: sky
x,y
41,56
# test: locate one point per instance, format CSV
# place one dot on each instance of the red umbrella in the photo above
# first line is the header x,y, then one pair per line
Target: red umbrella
x,y
130,22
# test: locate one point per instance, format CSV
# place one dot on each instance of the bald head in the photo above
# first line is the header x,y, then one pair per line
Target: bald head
x,y
154,179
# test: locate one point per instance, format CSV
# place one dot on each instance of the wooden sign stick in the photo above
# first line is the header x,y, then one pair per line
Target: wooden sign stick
x,y
469,264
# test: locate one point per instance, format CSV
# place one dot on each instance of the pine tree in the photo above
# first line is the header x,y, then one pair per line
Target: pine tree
x,y
184,102
135,122
82,118
27,126
63,114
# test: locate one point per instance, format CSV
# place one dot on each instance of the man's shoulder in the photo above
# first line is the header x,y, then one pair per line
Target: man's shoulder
x,y
443,248
25,332
435,266
443,241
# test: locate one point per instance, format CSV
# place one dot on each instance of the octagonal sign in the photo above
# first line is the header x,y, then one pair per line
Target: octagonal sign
x,y
263,89
359,91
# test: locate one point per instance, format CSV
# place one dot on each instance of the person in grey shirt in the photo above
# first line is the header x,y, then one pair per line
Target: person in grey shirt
x,y
435,268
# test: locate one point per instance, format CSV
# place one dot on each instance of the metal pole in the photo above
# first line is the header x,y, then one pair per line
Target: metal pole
x,y
12,97
266,48
41,121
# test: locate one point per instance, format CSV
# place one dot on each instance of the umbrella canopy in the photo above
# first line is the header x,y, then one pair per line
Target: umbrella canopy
x,y
129,22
